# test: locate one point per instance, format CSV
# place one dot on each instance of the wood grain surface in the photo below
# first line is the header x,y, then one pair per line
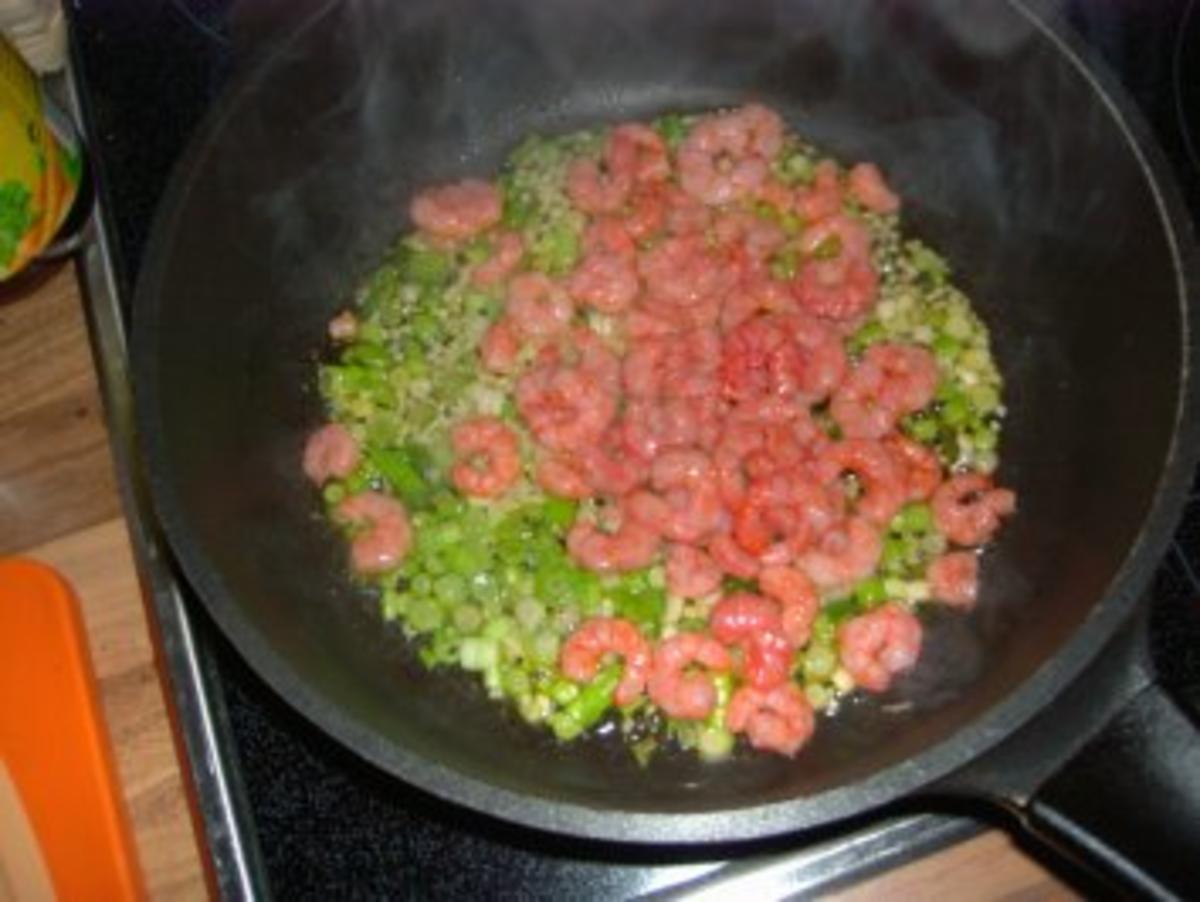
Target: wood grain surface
x,y
58,504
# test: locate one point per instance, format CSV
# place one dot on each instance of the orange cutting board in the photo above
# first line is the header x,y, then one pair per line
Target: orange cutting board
x,y
54,745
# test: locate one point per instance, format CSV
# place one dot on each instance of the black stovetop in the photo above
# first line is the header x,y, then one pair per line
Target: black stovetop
x,y
325,823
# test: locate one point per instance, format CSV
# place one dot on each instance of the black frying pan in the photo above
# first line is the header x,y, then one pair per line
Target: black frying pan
x,y
1015,158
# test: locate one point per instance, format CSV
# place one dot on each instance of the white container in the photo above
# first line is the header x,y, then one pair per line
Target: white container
x,y
38,30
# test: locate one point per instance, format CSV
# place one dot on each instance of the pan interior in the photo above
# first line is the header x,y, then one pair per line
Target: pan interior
x,y
1009,162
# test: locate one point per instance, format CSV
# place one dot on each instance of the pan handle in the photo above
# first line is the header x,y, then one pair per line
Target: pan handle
x,y
1129,800
1108,774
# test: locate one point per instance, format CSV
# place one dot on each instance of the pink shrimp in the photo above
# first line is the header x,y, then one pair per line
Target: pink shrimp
x,y
639,149
890,381
608,466
681,272
921,467
691,573
507,253
608,282
648,212
596,189
967,508
752,623
781,515
758,238
954,578
678,692
682,366
563,476
457,211
650,427
688,505
634,153
726,156
595,640
824,197
786,355
799,600
387,538
537,306
841,286
779,720
883,489
608,235
843,555
876,646
570,397
685,214
823,354
756,293
343,327
910,375
630,546
330,453
732,558
500,347
488,457
868,187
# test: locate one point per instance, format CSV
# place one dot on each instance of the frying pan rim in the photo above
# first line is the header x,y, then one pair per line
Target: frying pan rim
x,y
726,824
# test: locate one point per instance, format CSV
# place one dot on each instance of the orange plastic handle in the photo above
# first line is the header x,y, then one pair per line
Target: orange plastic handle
x,y
53,739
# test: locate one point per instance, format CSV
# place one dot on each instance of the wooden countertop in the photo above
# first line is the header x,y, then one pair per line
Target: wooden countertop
x,y
59,504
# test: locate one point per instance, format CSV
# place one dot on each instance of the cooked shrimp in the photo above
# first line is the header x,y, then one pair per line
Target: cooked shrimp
x,y
344,326
782,514
752,623
507,253
756,293
891,380
648,212
726,156
954,578
563,476
457,211
330,453
678,683
600,637
607,282
608,466
843,555
867,185
387,536
565,407
500,347
732,558
683,365
824,197
967,508
537,306
594,188
780,720
921,467
691,573
650,427
688,505
488,457
637,148
910,375
883,489
799,600
682,272
841,286
876,646
608,235
630,546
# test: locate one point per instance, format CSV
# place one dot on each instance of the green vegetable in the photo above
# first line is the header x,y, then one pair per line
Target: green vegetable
x,y
588,707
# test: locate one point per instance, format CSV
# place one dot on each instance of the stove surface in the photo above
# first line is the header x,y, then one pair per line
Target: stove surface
x,y
319,818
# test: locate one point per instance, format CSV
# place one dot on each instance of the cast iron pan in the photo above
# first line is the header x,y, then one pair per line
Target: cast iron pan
x,y
1020,162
